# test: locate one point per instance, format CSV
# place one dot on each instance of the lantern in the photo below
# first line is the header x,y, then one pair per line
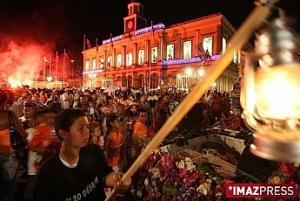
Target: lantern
x,y
270,94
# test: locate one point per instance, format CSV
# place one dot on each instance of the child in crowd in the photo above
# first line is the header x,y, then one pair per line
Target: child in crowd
x,y
114,142
95,134
140,136
140,128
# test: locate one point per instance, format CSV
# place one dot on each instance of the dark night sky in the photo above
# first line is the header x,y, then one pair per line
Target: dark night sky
x,y
63,22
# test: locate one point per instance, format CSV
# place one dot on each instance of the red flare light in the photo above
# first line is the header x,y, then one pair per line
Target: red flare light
x,y
20,63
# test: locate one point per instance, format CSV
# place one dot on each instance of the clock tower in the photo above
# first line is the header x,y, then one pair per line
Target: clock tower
x,y
135,19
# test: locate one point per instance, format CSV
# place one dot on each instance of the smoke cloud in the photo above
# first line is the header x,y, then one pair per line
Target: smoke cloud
x,y
21,61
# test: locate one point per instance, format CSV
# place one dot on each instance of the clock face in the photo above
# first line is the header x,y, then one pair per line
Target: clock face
x,y
130,24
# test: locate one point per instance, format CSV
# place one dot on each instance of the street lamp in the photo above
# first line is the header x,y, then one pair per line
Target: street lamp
x,y
49,78
189,72
270,94
92,76
201,70
72,67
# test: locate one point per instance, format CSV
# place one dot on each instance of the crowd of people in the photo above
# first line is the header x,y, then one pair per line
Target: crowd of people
x,y
116,125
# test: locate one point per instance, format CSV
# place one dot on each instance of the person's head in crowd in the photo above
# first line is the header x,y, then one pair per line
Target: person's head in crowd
x,y
54,92
90,112
28,110
95,132
71,126
56,98
125,96
164,100
133,108
45,117
92,103
27,97
4,99
26,87
120,108
36,97
114,123
83,100
109,100
131,97
117,93
49,96
143,116
94,128
138,95
143,99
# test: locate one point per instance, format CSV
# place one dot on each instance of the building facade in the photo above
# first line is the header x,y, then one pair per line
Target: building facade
x,y
154,55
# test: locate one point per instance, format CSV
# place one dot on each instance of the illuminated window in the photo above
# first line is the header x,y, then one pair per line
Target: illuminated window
x,y
154,54
224,43
109,61
170,52
94,63
141,57
119,60
129,59
101,63
207,44
187,49
87,65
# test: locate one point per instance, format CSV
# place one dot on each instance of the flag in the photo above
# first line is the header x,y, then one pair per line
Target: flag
x,y
96,44
111,37
56,65
50,65
111,40
88,43
207,53
66,55
46,60
201,50
130,36
152,29
84,40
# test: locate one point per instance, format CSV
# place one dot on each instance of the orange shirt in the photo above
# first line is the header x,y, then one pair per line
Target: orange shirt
x,y
43,137
5,146
140,131
116,140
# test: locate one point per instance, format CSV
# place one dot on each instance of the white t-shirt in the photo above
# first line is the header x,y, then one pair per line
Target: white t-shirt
x,y
33,156
64,101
